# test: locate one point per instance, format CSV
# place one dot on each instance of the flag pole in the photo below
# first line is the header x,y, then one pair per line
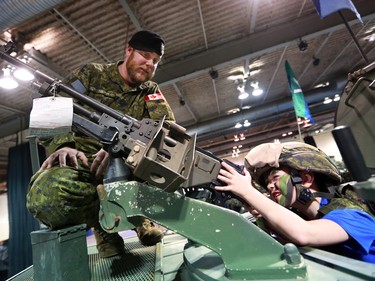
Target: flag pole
x,y
299,129
354,38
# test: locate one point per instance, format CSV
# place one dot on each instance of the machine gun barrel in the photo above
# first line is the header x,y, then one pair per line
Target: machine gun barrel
x,y
45,83
158,152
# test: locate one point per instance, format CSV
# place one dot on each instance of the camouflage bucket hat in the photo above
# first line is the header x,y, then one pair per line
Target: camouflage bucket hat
x,y
297,155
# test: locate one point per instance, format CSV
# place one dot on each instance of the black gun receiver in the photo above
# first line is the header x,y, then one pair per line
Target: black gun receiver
x,y
208,193
156,151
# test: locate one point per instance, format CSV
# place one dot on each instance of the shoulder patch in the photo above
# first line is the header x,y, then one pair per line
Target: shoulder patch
x,y
155,96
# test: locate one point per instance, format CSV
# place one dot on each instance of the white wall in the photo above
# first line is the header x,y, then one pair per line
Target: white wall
x,y
327,143
4,221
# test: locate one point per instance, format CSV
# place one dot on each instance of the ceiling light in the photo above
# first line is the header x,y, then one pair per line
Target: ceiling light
x,y
336,98
235,154
254,71
27,47
236,151
370,35
316,61
182,102
23,74
257,91
257,64
327,100
214,74
302,120
233,110
302,45
242,136
7,82
7,35
238,125
322,85
236,74
246,123
243,96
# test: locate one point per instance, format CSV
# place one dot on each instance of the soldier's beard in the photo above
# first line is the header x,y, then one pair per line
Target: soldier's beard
x,y
135,73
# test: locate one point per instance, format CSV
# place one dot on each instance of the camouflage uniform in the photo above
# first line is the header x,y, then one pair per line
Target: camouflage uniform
x,y
62,197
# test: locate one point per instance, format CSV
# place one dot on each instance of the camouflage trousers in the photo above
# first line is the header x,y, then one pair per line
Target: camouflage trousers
x,y
63,197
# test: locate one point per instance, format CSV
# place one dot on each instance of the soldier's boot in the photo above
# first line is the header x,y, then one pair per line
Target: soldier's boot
x,y
148,233
108,244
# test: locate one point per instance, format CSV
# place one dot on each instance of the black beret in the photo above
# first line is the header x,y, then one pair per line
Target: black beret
x,y
148,41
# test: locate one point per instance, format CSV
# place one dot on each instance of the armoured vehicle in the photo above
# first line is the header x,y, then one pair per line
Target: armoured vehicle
x,y
208,241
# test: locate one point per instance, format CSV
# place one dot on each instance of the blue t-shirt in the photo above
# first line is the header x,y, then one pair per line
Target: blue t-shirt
x,y
360,226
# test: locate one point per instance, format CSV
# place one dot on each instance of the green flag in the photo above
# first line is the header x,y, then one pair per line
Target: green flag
x,y
299,103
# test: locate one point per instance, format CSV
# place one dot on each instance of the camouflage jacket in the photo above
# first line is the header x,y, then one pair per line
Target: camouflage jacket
x,y
104,83
347,198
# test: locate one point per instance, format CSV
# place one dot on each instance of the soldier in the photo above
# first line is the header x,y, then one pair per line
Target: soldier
x,y
302,208
63,192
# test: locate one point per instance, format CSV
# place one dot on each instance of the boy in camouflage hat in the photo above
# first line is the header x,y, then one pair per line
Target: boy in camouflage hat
x,y
63,192
301,177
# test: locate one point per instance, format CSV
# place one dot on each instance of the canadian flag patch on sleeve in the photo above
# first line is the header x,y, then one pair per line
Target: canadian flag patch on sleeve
x,y
156,96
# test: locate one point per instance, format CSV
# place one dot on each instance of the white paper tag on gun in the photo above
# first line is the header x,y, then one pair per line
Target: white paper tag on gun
x,y
51,116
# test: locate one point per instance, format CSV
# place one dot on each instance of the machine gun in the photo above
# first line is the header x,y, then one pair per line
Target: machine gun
x,y
155,151
222,244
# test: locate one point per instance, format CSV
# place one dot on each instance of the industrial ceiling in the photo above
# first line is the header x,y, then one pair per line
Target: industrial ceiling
x,y
212,46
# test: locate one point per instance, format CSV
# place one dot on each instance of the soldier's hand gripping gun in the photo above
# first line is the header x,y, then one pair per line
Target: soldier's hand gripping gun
x,y
157,152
